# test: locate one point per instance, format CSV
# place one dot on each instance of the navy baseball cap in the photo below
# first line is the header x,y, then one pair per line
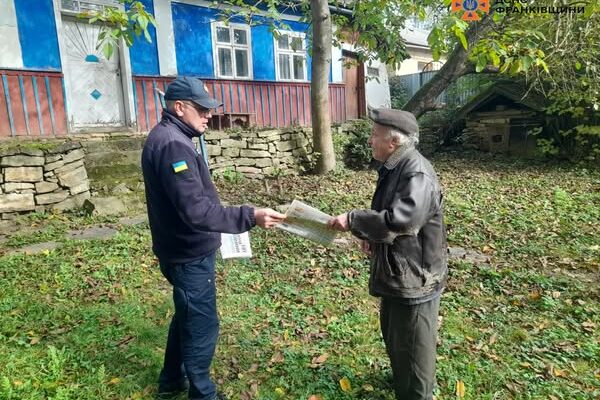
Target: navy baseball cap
x,y
192,89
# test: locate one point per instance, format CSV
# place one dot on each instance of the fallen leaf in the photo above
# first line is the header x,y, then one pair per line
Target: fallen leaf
x,y
535,295
493,338
34,340
460,389
321,359
315,397
114,381
279,391
368,388
345,384
277,357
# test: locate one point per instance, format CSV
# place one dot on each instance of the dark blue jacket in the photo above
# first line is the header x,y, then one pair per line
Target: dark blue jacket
x,y
185,214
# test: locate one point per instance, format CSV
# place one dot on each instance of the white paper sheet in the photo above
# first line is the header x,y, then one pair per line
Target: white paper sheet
x,y
308,222
235,245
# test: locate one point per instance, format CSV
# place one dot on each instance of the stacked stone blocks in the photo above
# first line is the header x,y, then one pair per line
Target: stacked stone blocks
x,y
35,180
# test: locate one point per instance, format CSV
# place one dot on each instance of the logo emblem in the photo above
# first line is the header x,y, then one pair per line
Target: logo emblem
x,y
470,8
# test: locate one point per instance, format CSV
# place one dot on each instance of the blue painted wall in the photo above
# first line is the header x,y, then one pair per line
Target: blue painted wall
x,y
263,53
37,34
193,46
144,55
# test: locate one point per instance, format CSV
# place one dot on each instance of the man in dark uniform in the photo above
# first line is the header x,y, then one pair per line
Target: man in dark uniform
x,y
186,220
403,233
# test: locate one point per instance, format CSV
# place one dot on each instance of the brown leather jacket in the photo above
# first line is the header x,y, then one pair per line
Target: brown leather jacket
x,y
405,229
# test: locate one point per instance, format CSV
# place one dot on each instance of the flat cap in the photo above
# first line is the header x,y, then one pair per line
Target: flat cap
x,y
402,121
192,89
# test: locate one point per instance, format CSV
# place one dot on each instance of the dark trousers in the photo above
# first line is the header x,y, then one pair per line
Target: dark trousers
x,y
194,328
410,336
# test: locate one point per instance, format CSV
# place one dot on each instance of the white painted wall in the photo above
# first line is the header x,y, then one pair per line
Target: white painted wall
x,y
337,65
165,38
10,47
377,90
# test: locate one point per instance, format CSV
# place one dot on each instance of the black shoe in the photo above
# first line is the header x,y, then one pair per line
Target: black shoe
x,y
166,392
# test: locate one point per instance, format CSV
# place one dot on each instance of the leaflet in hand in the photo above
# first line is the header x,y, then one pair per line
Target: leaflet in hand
x,y
235,245
308,222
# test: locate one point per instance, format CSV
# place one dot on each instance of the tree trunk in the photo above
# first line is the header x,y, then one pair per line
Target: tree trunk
x,y
456,66
319,95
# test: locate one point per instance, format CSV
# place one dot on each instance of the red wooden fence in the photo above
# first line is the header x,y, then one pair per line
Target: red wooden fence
x,y
32,103
275,104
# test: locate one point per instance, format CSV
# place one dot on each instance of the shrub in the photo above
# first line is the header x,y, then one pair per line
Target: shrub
x,y
398,92
357,152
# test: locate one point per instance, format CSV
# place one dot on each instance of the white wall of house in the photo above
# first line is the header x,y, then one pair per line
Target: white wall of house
x,y
165,38
10,47
377,91
376,86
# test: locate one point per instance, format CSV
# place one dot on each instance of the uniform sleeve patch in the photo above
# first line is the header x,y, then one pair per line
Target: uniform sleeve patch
x,y
179,166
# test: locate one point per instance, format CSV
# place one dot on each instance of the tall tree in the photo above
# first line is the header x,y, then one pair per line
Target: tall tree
x,y
319,95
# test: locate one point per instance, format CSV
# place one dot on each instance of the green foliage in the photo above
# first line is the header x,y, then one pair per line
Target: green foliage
x,y
398,92
231,176
88,321
357,152
120,24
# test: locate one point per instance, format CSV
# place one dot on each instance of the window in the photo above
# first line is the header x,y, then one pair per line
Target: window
x,y
372,71
231,49
88,5
290,56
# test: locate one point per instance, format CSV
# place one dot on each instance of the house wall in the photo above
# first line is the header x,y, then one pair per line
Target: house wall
x,y
37,34
144,55
35,96
10,47
377,91
418,56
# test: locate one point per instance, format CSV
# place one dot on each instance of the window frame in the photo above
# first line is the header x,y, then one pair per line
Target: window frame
x,y
292,53
231,47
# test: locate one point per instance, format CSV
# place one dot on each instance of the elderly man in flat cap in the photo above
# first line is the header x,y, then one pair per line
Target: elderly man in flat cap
x,y
404,235
186,220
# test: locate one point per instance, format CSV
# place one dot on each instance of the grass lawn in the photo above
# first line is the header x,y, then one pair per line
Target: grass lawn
x,y
89,319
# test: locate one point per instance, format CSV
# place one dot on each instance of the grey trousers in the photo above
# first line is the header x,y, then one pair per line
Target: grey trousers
x,y
410,336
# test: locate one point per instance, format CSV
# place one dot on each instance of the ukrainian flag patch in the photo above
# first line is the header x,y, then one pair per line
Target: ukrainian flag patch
x,y
179,166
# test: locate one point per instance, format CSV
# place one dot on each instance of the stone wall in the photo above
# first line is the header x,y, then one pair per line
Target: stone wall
x,y
32,179
259,153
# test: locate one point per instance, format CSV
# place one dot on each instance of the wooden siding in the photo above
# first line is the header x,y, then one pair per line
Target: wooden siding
x,y
268,104
32,103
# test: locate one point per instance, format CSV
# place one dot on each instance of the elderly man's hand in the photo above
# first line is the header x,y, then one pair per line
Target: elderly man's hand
x,y
339,223
267,218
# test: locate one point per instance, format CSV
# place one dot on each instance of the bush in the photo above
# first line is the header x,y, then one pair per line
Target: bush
x,y
357,152
398,92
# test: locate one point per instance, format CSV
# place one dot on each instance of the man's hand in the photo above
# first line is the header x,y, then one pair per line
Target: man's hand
x,y
365,247
339,223
267,218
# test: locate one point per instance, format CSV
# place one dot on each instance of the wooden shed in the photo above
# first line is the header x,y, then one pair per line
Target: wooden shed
x,y
501,119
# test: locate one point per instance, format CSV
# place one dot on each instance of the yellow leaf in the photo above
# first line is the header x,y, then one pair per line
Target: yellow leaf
x,y
315,397
114,381
368,388
535,295
345,384
559,372
460,389
17,383
279,391
34,340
